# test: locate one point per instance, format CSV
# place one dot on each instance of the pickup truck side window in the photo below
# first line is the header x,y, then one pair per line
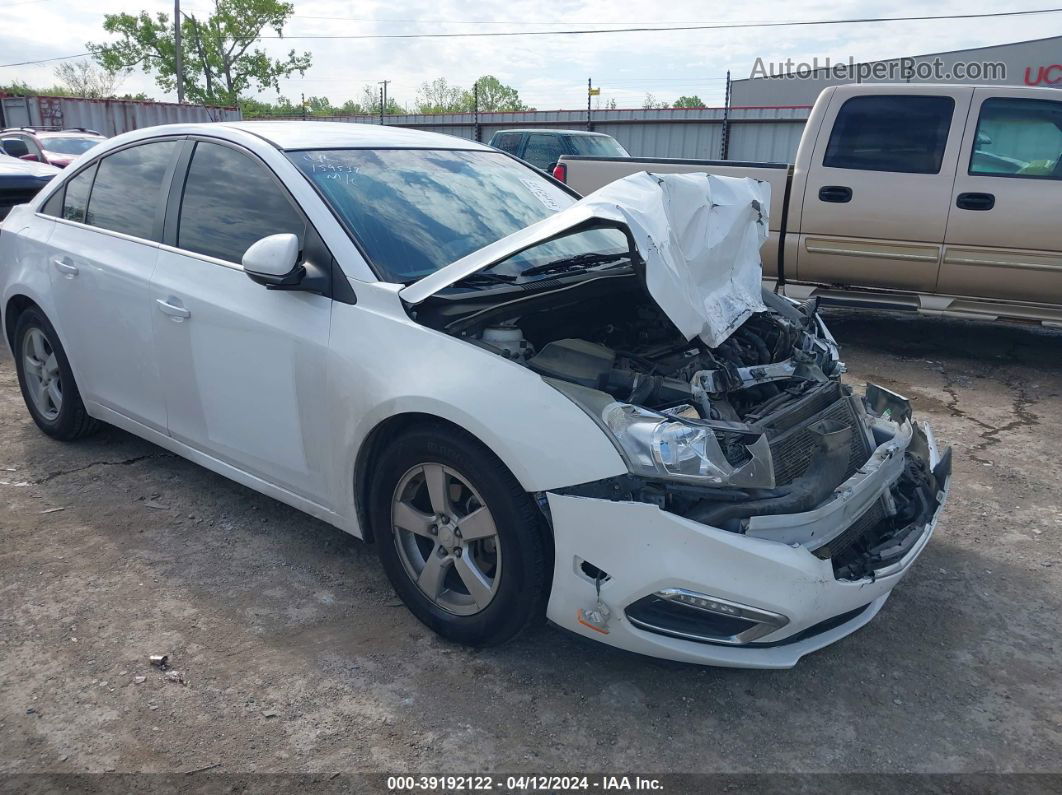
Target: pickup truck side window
x,y
507,142
1018,138
891,132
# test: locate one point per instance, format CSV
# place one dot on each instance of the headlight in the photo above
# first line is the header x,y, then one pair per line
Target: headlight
x,y
655,445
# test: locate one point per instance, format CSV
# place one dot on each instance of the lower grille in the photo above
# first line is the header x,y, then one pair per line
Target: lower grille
x,y
870,519
793,449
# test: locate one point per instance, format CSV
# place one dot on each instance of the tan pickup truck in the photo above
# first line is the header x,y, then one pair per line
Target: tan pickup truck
x,y
940,198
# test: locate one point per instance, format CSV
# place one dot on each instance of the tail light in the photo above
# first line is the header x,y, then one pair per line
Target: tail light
x,y
560,171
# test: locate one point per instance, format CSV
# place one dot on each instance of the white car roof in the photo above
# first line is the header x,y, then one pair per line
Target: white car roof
x,y
338,135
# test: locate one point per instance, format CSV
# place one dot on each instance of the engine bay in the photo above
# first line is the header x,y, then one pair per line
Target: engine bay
x,y
618,342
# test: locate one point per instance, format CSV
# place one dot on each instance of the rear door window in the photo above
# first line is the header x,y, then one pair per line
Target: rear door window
x,y
230,201
75,202
543,151
128,194
891,132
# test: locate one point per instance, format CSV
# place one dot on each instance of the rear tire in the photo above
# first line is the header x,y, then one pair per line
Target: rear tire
x,y
46,380
462,543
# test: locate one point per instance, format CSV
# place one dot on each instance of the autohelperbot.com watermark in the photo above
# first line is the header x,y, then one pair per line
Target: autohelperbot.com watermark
x,y
900,70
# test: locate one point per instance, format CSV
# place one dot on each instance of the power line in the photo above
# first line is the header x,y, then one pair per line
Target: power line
x,y
46,60
719,26
478,21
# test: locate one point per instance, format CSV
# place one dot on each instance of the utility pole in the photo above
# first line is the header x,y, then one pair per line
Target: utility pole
x,y
383,97
177,43
589,94
475,112
724,138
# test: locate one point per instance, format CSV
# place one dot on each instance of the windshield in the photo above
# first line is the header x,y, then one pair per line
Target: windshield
x,y
597,146
68,146
416,210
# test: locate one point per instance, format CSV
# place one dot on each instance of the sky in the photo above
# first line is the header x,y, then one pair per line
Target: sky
x,y
550,72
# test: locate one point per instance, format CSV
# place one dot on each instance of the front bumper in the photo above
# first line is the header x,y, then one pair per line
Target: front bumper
x,y
644,550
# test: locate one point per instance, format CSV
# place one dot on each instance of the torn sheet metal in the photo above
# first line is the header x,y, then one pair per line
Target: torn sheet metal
x,y
699,234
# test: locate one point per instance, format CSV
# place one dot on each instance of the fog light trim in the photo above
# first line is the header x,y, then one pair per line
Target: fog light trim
x,y
760,622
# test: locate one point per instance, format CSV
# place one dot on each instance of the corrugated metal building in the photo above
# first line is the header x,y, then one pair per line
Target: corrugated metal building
x,y
768,134
1037,62
106,116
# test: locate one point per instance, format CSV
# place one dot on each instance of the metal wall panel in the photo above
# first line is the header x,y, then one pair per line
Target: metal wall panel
x,y
765,141
765,134
107,116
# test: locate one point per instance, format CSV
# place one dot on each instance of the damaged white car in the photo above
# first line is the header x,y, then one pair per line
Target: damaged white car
x,y
535,406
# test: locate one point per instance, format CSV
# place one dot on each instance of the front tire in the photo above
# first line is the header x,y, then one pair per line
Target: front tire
x,y
46,380
460,540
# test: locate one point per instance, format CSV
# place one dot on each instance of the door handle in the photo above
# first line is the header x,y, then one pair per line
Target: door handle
x,y
178,313
835,193
65,266
975,201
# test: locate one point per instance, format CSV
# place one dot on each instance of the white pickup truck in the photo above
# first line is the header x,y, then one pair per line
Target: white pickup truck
x,y
939,198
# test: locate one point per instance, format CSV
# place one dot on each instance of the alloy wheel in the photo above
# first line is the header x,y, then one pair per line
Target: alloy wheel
x,y
446,538
41,368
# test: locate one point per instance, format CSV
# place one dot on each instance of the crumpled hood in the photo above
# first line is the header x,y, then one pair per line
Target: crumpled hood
x,y
699,235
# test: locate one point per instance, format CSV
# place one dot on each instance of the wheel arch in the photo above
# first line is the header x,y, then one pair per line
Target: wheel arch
x,y
377,440
13,309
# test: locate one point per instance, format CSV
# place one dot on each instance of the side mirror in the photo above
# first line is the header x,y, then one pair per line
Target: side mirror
x,y
274,261
29,156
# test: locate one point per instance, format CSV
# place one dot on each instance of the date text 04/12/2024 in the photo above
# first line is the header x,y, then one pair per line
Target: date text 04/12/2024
x,y
474,783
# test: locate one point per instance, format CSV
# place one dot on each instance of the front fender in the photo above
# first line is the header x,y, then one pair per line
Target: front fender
x,y
384,364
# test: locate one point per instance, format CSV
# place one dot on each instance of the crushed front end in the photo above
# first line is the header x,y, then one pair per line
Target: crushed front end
x,y
768,509
782,532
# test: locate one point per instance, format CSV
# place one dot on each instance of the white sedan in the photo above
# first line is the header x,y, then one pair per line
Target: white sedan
x,y
535,406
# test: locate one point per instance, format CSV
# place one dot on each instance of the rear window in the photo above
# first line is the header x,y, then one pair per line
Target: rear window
x,y
68,146
596,146
414,211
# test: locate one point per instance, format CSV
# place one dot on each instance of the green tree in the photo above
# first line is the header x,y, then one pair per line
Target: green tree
x,y
320,106
20,88
689,102
368,103
220,59
495,95
438,96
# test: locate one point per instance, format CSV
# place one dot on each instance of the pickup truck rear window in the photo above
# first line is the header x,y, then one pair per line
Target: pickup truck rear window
x,y
415,210
891,132
596,146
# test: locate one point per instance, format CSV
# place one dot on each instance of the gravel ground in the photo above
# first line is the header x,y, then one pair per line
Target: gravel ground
x,y
296,656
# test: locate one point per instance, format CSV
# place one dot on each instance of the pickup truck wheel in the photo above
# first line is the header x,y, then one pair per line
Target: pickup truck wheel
x,y
46,380
462,543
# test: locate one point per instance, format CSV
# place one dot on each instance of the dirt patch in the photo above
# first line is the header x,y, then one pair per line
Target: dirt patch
x,y
296,656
